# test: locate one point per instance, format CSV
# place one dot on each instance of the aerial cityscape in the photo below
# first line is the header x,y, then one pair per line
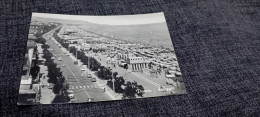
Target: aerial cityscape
x,y
69,61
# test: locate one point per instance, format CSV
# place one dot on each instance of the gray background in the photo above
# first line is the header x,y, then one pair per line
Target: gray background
x,y
217,44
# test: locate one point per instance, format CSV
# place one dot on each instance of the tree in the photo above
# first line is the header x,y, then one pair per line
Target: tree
x,y
47,54
57,88
115,74
107,74
65,45
119,82
129,91
60,99
34,71
132,89
100,72
40,39
45,46
140,90
150,65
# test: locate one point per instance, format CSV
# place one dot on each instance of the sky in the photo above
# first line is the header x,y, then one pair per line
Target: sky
x,y
111,19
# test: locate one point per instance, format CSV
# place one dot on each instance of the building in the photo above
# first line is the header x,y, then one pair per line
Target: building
x,y
29,92
100,46
33,27
137,63
85,46
125,56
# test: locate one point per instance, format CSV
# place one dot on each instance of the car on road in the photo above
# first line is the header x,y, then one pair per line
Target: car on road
x,y
59,59
70,92
93,79
67,54
73,100
178,74
63,65
89,76
90,99
75,62
71,96
82,68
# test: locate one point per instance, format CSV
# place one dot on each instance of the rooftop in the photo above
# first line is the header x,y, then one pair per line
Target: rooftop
x,y
26,80
27,92
31,37
25,87
31,43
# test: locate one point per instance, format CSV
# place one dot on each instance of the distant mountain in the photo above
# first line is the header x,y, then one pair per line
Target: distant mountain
x,y
62,21
153,34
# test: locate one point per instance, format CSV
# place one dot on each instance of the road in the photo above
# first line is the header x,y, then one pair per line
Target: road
x,y
82,86
152,86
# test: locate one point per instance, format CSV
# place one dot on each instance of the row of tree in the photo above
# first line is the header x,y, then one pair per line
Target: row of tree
x,y
42,29
91,62
98,50
129,89
35,69
54,73
64,43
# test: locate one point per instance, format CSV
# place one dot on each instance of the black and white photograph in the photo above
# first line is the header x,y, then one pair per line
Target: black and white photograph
x,y
81,58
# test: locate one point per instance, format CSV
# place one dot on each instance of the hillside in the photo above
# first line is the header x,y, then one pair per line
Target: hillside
x,y
153,34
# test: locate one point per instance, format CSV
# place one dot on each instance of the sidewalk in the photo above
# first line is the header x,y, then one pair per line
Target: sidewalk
x,y
46,94
103,84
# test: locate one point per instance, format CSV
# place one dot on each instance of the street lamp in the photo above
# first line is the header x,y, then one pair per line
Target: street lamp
x,y
113,80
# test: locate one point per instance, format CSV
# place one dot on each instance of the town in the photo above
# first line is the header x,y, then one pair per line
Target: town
x,y
65,63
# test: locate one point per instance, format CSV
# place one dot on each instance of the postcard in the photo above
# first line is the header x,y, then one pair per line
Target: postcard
x,y
79,58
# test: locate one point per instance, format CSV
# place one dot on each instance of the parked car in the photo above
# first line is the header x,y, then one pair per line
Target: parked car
x,y
90,99
178,74
73,100
71,96
70,92
89,76
82,69
75,62
93,79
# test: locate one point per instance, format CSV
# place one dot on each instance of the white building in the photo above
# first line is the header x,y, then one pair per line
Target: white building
x,y
29,92
137,63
